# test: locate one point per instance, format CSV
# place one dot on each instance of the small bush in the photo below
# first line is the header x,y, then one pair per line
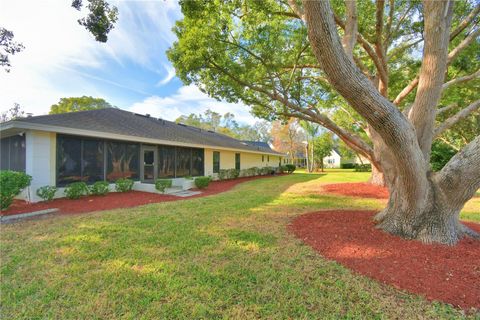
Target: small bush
x,y
290,168
222,174
11,184
76,190
47,193
347,165
363,167
162,184
202,182
123,185
99,188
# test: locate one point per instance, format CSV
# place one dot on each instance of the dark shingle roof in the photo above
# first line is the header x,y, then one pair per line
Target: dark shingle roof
x,y
117,121
260,144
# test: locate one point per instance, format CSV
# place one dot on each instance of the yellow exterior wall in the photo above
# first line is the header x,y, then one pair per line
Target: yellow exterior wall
x,y
247,160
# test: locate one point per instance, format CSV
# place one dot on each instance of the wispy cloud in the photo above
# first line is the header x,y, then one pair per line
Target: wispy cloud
x,y
189,99
170,75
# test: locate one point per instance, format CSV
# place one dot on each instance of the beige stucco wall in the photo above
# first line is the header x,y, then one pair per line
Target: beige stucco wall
x,y
247,160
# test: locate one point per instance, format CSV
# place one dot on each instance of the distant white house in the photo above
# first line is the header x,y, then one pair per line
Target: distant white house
x,y
335,160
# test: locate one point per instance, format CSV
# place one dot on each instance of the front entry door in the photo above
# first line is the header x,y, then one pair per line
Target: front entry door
x,y
149,160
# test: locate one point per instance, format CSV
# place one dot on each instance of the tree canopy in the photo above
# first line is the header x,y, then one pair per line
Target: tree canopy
x,y
74,104
379,74
8,48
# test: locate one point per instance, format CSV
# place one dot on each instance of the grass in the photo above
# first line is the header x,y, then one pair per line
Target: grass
x,y
224,256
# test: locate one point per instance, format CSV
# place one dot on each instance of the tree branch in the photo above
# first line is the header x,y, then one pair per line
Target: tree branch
x,y
462,114
468,19
465,43
445,109
456,81
350,37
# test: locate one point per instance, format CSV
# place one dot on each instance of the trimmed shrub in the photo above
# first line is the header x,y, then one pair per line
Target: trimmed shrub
x,y
202,182
123,185
99,188
76,190
363,167
290,168
347,165
162,184
222,174
47,193
11,184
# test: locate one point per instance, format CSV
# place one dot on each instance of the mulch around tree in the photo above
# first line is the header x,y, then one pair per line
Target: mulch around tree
x,y
114,200
445,273
362,190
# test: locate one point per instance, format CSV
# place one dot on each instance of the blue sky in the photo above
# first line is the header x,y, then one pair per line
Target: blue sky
x,y
131,70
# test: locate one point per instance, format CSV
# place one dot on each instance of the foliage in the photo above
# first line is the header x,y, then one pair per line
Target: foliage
x,y
225,174
323,147
11,184
162,184
347,165
100,19
290,168
441,154
11,114
75,104
367,167
202,182
123,185
76,189
227,125
47,193
8,47
99,188
288,138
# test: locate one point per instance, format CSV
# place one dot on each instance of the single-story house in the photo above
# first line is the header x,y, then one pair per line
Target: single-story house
x,y
109,144
335,159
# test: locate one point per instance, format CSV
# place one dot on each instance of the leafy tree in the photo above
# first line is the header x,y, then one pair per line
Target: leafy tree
x,y
227,125
441,154
75,104
311,130
288,138
8,47
100,19
382,64
324,144
11,114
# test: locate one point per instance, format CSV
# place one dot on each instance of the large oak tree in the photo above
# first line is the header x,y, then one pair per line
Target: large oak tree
x,y
384,65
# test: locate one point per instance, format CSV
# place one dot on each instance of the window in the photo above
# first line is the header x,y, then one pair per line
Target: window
x,y
92,160
13,153
166,162
197,162
216,162
237,161
268,158
263,158
122,160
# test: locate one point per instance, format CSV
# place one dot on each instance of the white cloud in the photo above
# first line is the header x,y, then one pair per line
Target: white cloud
x,y
189,99
170,75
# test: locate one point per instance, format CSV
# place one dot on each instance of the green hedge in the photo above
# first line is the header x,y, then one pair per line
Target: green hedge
x,y
290,168
76,190
99,188
47,193
347,165
363,167
123,185
11,184
202,182
162,184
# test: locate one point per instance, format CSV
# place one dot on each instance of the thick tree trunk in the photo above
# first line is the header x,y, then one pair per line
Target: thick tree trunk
x,y
377,177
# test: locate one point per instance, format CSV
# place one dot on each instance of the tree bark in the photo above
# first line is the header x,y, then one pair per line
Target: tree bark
x,y
422,205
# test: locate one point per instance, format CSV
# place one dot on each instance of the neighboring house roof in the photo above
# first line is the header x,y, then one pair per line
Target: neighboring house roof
x,y
114,122
260,144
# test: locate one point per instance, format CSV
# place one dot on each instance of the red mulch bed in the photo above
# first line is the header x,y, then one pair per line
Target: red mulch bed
x,y
363,190
114,200
448,274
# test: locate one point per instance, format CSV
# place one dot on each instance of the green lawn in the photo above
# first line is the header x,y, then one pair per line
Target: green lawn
x,y
224,256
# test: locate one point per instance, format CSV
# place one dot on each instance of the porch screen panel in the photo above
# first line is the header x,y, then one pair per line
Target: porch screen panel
x,y
166,162
184,159
13,153
92,160
122,160
69,153
197,162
